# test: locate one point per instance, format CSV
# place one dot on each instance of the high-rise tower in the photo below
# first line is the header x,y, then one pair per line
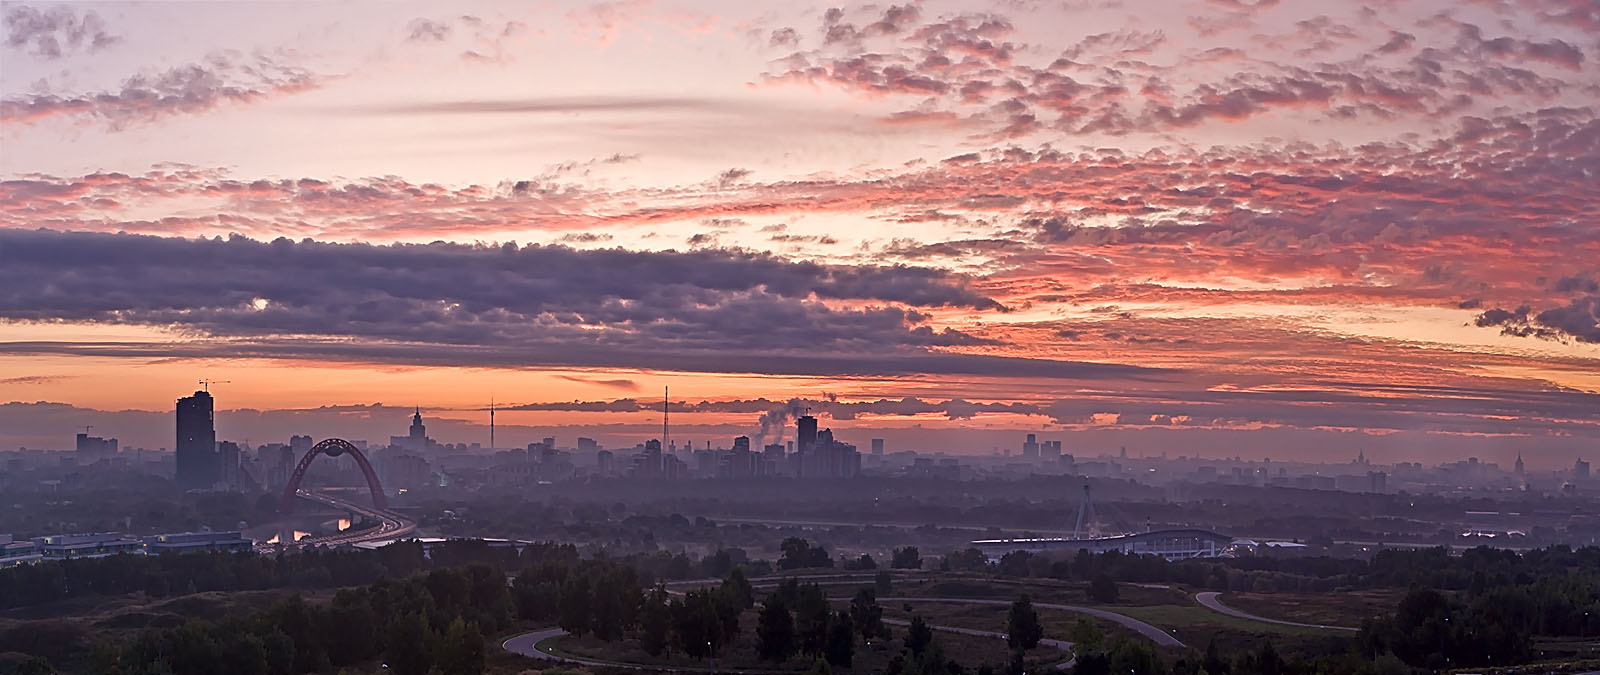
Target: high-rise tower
x,y
807,438
199,466
419,433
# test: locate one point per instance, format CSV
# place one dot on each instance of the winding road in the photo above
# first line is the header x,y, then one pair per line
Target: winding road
x,y
1209,600
528,644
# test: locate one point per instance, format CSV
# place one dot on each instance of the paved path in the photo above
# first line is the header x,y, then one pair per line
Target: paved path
x,y
1157,635
1210,601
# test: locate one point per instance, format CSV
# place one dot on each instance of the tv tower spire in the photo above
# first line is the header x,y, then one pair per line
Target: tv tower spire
x,y
664,408
491,423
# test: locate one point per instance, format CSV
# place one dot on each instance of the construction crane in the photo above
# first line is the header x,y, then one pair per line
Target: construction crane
x,y
206,384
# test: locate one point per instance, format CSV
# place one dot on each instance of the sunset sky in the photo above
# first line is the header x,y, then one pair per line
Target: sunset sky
x,y
1285,229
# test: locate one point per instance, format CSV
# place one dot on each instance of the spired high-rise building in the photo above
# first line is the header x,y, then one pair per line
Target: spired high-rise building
x,y
199,466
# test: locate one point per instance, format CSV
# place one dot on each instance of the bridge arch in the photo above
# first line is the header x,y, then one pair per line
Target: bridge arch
x,y
332,447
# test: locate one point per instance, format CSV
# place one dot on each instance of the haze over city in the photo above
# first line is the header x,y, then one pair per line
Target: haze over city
x,y
1241,227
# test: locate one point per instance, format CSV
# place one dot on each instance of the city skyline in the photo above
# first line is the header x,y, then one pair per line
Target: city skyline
x,y
369,424
1276,228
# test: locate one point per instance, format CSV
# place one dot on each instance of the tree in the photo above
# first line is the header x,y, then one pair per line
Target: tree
x,y
605,611
655,620
1016,666
739,589
572,605
882,582
410,648
918,636
1103,589
1086,635
811,618
1265,661
462,651
1137,658
1213,663
1015,563
1092,663
866,614
352,628
908,558
966,560
1023,630
697,626
799,553
725,600
789,590
865,562
840,649
775,630
820,668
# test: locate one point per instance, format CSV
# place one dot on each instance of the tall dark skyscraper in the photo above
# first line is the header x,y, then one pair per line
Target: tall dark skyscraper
x,y
198,464
808,434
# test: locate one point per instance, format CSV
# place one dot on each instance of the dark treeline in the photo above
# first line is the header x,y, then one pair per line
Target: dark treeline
x,y
1483,607
433,622
178,574
1423,568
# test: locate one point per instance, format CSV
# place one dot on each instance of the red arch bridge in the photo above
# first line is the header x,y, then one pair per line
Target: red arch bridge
x,y
391,525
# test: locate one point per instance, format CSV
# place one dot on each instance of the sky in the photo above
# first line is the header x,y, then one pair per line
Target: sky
x,y
1216,227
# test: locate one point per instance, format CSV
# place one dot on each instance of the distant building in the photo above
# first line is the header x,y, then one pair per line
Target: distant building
x,y
605,462
824,457
1377,481
407,472
1315,482
673,468
196,542
198,467
1050,450
807,433
648,462
877,447
416,439
1580,470
13,552
1030,447
228,467
91,545
93,447
741,444
1519,464
587,445
276,461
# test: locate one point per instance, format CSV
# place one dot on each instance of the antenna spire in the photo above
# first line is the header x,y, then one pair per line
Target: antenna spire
x,y
665,407
491,422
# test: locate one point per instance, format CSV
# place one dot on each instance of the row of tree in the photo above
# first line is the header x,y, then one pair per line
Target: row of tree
x,y
1474,569
177,574
426,623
